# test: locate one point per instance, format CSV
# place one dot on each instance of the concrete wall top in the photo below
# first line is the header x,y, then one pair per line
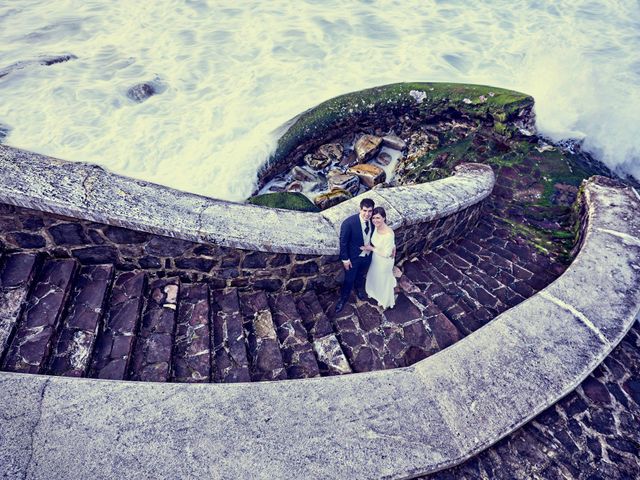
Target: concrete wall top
x,y
385,424
89,192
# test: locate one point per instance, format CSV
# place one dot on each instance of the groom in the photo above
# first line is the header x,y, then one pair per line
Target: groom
x,y
355,232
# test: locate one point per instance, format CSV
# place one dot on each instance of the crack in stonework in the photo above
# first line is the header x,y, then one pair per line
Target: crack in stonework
x,y
626,238
579,315
35,427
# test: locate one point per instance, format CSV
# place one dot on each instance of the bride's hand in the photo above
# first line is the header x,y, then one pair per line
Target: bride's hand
x,y
367,248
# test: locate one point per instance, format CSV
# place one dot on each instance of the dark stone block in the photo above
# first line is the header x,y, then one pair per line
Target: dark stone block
x,y
167,246
27,240
96,255
623,445
268,284
140,92
256,260
125,235
150,262
95,237
279,260
295,286
32,223
304,269
200,264
206,250
632,387
596,391
68,234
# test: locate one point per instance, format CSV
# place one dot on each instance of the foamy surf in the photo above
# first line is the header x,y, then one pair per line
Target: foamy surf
x,y
233,75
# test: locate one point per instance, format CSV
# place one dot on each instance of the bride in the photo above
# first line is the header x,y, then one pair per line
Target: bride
x,y
380,280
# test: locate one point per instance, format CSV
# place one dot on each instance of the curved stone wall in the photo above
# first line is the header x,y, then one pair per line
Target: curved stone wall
x,y
386,424
233,244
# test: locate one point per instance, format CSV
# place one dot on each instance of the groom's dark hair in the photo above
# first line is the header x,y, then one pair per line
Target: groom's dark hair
x,y
367,203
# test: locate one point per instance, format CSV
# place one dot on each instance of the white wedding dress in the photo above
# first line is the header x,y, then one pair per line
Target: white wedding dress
x,y
380,280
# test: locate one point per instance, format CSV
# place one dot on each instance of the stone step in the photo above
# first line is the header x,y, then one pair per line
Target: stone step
x,y
331,358
229,352
265,360
80,325
114,345
191,349
32,343
151,359
296,350
16,274
361,354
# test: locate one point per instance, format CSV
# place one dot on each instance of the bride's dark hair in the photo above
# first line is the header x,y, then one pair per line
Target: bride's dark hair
x,y
379,211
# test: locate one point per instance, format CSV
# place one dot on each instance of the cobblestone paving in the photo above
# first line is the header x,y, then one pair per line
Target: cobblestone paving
x,y
591,434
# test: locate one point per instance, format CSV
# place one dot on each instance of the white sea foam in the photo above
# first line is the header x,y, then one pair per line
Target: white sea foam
x,y
234,74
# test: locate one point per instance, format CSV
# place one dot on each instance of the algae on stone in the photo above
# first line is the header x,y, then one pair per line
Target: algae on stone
x,y
284,200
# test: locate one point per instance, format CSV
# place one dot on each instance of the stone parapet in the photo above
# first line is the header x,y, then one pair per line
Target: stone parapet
x,y
75,210
387,424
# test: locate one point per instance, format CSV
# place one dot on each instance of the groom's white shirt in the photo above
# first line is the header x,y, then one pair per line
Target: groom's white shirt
x,y
366,237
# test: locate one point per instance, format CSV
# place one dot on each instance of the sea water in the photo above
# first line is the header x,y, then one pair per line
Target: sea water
x,y
233,72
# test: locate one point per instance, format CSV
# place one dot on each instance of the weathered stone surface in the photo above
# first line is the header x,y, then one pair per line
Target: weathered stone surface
x,y
366,147
27,240
191,353
350,183
316,161
114,345
330,199
265,360
229,359
297,352
125,235
370,175
151,359
32,342
167,247
72,353
332,151
16,274
383,159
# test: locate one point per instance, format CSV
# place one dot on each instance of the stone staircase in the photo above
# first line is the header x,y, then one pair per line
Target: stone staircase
x,y
59,317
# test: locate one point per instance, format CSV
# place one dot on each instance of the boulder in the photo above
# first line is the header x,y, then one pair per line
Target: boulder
x,y
139,93
394,142
332,198
286,200
332,151
301,174
350,159
295,186
367,146
370,175
316,161
344,181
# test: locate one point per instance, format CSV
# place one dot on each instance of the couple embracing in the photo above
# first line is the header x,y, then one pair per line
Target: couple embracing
x,y
367,250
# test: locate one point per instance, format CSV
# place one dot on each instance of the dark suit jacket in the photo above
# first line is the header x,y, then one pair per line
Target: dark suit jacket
x,y
351,237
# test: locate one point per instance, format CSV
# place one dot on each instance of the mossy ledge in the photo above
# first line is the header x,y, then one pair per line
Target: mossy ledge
x,y
383,105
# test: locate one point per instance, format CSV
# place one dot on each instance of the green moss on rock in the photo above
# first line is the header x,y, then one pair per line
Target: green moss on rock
x,y
285,200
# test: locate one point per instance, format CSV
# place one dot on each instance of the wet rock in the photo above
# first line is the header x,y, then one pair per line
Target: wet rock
x,y
329,199
344,181
4,131
316,161
596,391
195,263
394,142
350,159
367,146
303,175
295,187
370,175
383,159
332,151
141,92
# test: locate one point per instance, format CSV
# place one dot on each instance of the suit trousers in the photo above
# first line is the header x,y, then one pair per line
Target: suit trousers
x,y
355,276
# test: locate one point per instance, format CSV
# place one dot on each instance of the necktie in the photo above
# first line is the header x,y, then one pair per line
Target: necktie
x,y
366,228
